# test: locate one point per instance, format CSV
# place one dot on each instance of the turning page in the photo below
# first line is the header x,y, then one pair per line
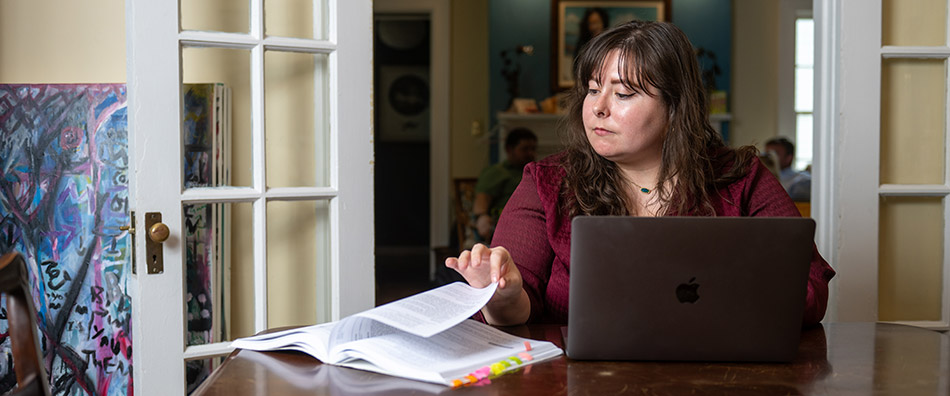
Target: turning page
x,y
434,311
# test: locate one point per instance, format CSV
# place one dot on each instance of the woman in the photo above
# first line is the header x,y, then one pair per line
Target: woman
x,y
639,143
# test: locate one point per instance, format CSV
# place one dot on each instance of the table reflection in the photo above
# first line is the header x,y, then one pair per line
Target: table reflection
x,y
330,380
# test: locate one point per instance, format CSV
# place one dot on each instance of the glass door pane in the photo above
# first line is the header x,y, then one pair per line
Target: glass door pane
x,y
305,19
216,129
913,121
230,16
297,262
917,23
911,259
297,126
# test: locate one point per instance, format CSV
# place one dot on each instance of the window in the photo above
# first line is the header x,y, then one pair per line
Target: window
x,y
804,90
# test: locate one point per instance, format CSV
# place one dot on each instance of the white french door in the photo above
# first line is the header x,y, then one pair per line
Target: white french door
x,y
294,199
883,159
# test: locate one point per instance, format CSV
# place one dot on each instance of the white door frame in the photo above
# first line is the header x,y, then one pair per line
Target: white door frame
x,y
846,152
824,169
439,148
154,81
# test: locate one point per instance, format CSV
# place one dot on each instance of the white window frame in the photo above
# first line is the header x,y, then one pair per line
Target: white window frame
x,y
789,11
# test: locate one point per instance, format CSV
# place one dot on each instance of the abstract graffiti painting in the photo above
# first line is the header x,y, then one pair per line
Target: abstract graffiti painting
x,y
63,198
205,133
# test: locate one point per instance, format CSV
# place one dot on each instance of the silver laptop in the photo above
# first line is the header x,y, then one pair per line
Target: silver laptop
x,y
688,288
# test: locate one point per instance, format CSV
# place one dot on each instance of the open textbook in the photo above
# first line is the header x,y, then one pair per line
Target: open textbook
x,y
425,337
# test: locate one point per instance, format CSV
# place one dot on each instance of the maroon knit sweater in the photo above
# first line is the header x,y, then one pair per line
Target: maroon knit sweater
x,y
539,239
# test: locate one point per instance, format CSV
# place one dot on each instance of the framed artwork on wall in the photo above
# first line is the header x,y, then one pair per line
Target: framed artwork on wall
x,y
575,22
403,103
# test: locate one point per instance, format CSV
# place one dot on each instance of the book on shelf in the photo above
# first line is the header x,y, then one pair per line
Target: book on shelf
x,y
426,337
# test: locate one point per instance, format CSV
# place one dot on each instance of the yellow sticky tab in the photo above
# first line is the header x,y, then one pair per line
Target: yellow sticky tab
x,y
515,360
497,368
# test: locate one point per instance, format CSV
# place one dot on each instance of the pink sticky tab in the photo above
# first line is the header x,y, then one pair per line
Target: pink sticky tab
x,y
525,356
527,346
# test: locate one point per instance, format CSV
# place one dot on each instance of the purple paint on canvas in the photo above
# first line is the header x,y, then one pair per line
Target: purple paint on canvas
x,y
63,197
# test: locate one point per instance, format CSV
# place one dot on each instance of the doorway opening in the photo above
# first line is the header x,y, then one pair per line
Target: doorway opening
x,y
402,140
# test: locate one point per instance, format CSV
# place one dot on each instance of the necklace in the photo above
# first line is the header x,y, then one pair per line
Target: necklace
x,y
642,189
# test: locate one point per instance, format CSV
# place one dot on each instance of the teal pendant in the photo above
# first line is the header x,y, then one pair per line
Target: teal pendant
x,y
645,191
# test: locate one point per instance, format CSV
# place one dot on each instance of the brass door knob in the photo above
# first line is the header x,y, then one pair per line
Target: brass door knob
x,y
158,232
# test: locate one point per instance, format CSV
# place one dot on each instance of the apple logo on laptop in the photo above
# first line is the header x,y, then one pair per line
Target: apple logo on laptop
x,y
687,292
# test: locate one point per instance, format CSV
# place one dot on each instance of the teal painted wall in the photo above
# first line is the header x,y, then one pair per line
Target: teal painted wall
x,y
513,23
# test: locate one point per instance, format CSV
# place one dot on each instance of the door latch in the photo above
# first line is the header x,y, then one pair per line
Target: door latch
x,y
131,230
157,232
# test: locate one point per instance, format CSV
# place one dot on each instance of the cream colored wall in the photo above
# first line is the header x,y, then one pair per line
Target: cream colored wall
x,y
469,90
754,72
53,41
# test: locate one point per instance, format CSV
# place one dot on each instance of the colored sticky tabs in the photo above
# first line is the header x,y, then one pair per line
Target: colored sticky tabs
x,y
495,369
527,346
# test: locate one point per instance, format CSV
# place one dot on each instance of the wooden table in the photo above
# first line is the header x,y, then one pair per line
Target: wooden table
x,y
836,358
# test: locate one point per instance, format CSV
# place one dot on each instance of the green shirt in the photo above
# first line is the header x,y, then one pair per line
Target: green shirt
x,y
499,181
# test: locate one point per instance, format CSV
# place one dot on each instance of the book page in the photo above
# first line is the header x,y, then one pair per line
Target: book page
x,y
312,340
433,311
440,358
356,328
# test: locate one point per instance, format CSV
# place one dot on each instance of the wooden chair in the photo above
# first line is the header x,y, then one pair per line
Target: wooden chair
x,y
464,200
21,321
804,208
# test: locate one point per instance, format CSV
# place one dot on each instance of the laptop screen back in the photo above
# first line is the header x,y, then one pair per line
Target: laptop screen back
x,y
687,288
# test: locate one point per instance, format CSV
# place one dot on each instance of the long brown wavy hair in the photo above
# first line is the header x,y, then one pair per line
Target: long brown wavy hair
x,y
694,155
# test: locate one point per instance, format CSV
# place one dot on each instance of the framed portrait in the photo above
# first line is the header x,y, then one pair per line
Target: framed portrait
x,y
404,103
575,22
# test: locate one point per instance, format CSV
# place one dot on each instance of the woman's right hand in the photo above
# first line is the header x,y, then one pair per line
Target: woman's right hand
x,y
483,265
